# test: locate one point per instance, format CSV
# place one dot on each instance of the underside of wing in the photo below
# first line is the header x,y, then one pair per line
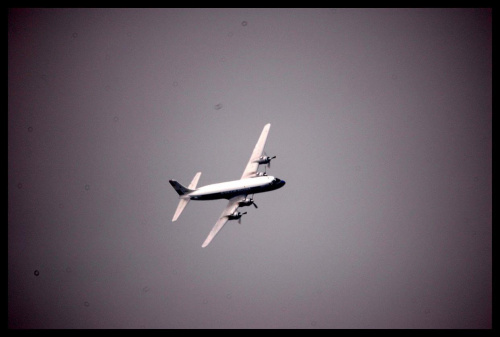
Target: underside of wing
x,y
253,164
230,208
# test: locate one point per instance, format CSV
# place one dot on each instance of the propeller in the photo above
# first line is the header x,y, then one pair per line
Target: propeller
x,y
253,202
269,163
269,159
239,219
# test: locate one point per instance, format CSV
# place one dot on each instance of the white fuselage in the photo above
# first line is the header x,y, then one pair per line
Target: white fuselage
x,y
229,189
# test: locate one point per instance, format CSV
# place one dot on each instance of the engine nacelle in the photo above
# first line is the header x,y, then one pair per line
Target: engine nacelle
x,y
265,159
246,202
235,215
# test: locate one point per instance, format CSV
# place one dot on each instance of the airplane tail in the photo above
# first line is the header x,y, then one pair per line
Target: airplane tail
x,y
182,191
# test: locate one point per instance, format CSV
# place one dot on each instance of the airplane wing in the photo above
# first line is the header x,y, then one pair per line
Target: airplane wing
x,y
230,208
253,165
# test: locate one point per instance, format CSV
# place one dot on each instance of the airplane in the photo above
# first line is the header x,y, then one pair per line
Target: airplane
x,y
236,191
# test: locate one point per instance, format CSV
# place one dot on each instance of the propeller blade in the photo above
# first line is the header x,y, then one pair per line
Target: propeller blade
x,y
255,205
239,221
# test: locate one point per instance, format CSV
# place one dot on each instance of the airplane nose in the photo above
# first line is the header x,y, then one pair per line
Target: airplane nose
x,y
283,183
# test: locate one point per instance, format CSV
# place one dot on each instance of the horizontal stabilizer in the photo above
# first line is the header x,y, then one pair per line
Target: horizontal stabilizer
x,y
182,204
194,182
182,191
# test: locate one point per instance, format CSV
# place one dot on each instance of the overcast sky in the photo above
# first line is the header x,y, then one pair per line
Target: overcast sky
x,y
381,124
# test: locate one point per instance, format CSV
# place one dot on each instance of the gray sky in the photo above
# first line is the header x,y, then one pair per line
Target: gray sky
x,y
381,123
